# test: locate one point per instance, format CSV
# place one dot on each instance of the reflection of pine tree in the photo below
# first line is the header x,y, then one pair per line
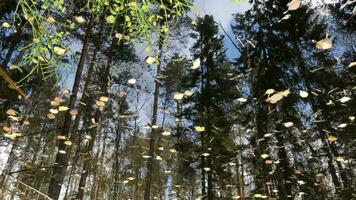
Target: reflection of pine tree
x,y
208,107
283,56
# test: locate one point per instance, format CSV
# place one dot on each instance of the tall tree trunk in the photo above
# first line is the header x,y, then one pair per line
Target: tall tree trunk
x,y
154,132
61,161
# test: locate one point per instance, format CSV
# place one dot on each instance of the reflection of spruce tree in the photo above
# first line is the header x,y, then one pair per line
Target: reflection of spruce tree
x,y
283,57
209,106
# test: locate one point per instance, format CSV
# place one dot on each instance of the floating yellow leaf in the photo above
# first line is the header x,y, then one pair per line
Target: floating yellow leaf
x,y
196,64
59,51
11,112
278,96
63,108
288,124
207,169
343,125
344,99
264,156
79,19
159,158
151,60
242,100
166,133
199,128
131,81
100,103
324,44
269,91
51,116
188,93
6,129
340,159
332,138
205,154
352,64
62,152
293,5
53,111
6,25
178,96
73,112
61,137
12,135
68,143
258,195
303,94
104,99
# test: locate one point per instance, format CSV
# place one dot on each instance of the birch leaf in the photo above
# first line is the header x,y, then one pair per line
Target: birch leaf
x,y
63,108
264,156
278,96
294,5
352,64
178,96
199,128
59,51
131,81
324,44
196,64
79,19
344,99
332,138
303,94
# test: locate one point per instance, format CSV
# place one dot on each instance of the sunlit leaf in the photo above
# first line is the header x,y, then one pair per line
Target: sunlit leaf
x,y
159,158
264,156
332,138
352,64
324,44
68,143
303,94
100,103
188,93
288,124
6,129
6,25
269,91
178,96
80,19
278,96
340,159
151,60
53,111
63,108
11,112
344,99
131,81
199,128
196,64
12,135
59,51
294,5
205,154
166,133
242,100
343,125
51,116
61,137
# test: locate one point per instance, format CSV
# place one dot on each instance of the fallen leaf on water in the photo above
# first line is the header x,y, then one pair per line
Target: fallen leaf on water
x,y
303,94
324,44
63,108
196,64
343,125
59,51
100,103
344,99
264,156
68,143
178,96
51,116
352,64
131,81
79,19
104,99
332,138
242,100
11,112
166,133
288,124
278,96
294,5
151,60
199,128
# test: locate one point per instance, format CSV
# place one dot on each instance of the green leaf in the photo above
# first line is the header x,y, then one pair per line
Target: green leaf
x,y
110,19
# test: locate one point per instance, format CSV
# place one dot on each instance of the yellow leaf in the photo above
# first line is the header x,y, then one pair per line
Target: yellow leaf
x,y
303,94
294,5
324,44
100,103
151,60
288,124
59,51
188,93
51,116
278,96
11,112
79,19
332,138
6,25
352,64
63,108
61,137
196,64
178,96
104,99
264,156
199,128
344,99
166,133
68,143
269,91
131,81
53,111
